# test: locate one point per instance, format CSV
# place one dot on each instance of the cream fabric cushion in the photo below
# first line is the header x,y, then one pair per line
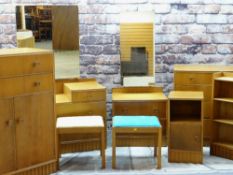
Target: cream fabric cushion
x,y
80,121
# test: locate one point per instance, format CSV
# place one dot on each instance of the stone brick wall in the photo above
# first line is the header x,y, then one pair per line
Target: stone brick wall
x,y
186,31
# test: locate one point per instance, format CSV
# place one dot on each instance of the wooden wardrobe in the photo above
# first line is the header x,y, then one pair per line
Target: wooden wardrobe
x,y
27,120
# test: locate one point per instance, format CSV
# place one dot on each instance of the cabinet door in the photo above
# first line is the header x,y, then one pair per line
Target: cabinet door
x,y
35,129
186,136
7,145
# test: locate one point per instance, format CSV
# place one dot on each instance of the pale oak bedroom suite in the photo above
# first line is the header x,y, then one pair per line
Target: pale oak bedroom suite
x,y
81,94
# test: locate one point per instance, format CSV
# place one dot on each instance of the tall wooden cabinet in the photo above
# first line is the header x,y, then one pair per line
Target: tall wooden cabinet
x,y
185,127
222,143
27,120
199,78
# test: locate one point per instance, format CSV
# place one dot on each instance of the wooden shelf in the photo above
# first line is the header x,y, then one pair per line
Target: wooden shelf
x,y
229,100
224,144
224,121
226,79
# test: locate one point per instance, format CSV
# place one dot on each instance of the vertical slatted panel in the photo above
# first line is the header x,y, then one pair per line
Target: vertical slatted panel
x,y
137,35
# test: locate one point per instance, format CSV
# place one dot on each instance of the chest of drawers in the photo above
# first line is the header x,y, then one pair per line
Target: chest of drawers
x,y
200,78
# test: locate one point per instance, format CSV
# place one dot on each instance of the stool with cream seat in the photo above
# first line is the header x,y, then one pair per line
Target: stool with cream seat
x,y
82,125
131,130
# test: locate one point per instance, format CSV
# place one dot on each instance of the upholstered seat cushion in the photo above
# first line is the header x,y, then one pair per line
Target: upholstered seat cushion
x,y
80,121
136,121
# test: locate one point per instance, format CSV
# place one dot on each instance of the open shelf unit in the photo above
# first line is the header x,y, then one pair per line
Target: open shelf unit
x,y
222,143
185,127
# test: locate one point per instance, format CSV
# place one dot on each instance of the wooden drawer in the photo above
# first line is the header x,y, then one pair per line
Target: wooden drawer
x,y
38,64
186,136
88,108
137,108
21,65
85,96
186,78
11,86
11,66
206,89
37,83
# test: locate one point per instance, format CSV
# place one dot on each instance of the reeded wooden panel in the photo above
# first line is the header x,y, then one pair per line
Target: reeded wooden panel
x,y
181,156
137,35
7,145
35,127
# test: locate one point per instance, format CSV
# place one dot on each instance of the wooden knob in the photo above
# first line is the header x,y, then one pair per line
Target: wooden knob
x,y
37,83
35,63
19,120
9,123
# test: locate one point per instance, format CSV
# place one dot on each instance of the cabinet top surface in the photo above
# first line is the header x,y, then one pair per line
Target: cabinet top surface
x,y
23,51
147,96
201,68
226,79
186,95
85,86
62,98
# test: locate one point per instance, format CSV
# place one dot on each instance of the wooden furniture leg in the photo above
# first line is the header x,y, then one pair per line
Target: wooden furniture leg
x,y
103,147
113,149
159,148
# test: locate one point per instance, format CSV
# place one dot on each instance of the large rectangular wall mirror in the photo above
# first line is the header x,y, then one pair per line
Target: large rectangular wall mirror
x,y
51,27
137,48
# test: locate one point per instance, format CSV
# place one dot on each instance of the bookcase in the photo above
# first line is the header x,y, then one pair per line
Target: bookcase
x,y
185,125
222,143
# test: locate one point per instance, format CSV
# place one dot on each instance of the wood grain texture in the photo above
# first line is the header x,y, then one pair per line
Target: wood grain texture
x,y
199,78
78,101
185,127
27,112
141,101
65,28
222,141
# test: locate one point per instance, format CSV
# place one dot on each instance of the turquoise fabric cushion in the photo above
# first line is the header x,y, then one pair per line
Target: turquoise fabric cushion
x,y
136,121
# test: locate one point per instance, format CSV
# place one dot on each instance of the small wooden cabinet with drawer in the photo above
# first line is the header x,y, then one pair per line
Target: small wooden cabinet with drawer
x,y
27,117
141,101
185,127
200,78
80,97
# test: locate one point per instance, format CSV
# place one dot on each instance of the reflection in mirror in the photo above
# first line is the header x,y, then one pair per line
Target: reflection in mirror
x,y
51,27
137,48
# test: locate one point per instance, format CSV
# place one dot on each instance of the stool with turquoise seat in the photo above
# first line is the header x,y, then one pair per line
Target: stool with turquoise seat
x,y
130,130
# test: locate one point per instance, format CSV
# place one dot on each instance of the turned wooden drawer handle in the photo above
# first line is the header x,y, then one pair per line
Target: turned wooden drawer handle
x,y
19,120
35,63
37,83
9,122
191,78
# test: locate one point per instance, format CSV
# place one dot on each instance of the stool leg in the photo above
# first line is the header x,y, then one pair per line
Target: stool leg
x,y
159,148
155,150
113,149
102,150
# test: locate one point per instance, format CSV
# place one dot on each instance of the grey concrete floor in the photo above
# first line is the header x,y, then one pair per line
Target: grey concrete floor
x,y
139,161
